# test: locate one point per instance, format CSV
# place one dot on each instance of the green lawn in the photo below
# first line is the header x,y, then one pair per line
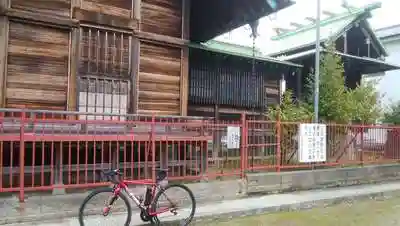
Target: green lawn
x,y
361,213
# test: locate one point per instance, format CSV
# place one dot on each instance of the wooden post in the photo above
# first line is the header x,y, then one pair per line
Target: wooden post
x,y
135,62
137,9
75,4
184,87
74,54
4,29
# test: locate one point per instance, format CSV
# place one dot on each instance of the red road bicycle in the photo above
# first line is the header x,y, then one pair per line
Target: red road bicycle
x,y
147,204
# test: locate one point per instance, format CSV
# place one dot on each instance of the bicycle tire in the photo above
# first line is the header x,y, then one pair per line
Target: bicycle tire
x,y
155,221
105,190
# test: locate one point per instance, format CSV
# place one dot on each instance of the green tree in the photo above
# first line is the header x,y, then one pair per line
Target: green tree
x,y
336,102
365,102
392,116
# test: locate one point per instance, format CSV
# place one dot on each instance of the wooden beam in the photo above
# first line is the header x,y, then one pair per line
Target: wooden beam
x,y
224,110
135,65
39,18
104,19
4,29
371,42
73,70
311,19
161,39
328,13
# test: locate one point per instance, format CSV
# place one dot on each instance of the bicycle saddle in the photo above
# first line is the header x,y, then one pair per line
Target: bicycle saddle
x,y
111,172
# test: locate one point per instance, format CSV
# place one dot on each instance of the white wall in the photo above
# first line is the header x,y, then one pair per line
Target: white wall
x,y
388,84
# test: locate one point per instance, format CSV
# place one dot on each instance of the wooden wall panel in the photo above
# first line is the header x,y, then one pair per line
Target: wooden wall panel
x,y
272,92
159,79
162,17
37,67
121,8
52,7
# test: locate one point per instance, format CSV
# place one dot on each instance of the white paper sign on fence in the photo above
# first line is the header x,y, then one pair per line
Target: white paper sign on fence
x,y
312,143
233,137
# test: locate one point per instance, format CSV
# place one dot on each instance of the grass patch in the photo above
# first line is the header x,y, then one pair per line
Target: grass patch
x,y
361,213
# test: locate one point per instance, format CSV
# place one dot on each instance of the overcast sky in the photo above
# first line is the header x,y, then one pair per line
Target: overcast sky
x,y
387,15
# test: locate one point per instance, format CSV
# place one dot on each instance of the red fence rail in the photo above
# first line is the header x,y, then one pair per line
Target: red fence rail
x,y
46,150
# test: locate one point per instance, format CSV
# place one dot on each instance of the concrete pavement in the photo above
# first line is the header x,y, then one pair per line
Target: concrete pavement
x,y
256,205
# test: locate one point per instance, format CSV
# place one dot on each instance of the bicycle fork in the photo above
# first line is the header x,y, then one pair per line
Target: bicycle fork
x,y
111,200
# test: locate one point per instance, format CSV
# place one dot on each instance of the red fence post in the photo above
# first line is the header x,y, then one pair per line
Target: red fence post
x,y
362,145
243,147
153,147
22,158
278,142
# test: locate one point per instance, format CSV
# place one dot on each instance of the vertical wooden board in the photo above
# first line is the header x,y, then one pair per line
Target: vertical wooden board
x,y
3,57
73,69
135,74
37,67
162,17
184,88
121,8
52,7
159,79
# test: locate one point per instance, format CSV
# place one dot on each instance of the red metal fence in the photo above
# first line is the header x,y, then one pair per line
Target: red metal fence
x,y
43,150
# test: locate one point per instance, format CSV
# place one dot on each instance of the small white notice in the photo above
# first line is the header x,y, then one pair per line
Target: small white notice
x,y
233,137
312,143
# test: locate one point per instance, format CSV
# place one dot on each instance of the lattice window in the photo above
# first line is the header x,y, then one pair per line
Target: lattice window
x,y
104,72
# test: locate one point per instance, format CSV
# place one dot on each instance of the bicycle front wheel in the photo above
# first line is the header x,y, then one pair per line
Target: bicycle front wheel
x,y
173,204
102,207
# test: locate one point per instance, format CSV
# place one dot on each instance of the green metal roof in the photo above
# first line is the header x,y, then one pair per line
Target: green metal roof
x,y
238,50
330,27
232,47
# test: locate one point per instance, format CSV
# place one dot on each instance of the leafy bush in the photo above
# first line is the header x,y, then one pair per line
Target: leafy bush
x,y
392,116
289,111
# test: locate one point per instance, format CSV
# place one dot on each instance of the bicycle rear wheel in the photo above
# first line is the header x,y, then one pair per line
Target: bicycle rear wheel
x,y
98,211
170,207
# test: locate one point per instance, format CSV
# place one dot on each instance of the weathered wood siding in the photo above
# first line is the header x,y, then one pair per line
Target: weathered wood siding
x,y
120,8
159,79
162,17
52,7
37,67
272,89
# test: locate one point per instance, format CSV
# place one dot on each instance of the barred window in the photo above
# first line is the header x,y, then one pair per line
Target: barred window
x,y
104,72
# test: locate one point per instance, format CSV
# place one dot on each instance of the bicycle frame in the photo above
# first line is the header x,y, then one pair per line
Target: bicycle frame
x,y
122,186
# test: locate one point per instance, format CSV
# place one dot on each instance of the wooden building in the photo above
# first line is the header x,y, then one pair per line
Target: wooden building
x,y
115,56
222,83
360,49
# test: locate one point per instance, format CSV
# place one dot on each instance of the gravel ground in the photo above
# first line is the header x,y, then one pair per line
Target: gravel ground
x,y
365,213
